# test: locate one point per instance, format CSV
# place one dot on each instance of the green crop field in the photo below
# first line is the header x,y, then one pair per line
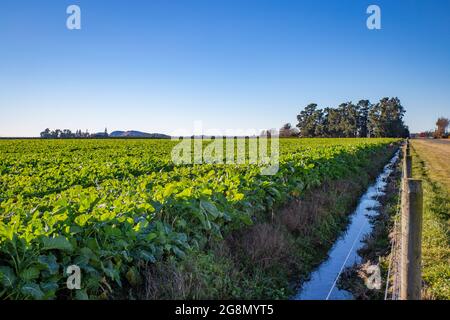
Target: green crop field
x,y
110,206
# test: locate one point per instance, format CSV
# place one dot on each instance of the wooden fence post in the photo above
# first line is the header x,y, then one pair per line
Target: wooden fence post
x,y
407,167
410,269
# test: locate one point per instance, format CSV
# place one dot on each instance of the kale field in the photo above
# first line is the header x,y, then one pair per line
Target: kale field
x,y
113,207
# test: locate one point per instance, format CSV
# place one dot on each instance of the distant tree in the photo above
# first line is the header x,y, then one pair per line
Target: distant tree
x,y
320,129
363,107
309,121
348,120
66,133
46,134
287,131
442,124
385,119
57,133
374,122
332,123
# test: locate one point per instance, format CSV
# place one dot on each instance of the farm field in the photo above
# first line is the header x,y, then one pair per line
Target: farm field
x,y
431,164
112,207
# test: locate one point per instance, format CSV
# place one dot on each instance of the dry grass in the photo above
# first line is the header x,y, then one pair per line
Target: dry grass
x,y
265,246
165,278
436,155
300,214
199,276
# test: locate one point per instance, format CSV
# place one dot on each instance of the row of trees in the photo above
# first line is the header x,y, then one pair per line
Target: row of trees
x,y
66,133
348,120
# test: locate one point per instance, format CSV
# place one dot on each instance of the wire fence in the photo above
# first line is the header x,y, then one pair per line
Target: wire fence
x,y
393,276
393,263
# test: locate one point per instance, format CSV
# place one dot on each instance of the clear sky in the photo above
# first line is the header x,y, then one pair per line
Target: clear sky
x,y
156,65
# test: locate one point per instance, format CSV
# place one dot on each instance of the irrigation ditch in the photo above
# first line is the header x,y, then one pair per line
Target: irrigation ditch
x,y
379,255
324,281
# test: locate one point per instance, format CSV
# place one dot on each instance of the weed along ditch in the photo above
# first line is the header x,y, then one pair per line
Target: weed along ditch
x,y
322,283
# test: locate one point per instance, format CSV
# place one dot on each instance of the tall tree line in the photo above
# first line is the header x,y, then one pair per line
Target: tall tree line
x,y
348,120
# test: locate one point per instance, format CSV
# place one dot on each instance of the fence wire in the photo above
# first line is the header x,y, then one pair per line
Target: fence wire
x,y
394,261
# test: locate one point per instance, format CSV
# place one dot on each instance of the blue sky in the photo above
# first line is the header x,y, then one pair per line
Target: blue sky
x,y
158,65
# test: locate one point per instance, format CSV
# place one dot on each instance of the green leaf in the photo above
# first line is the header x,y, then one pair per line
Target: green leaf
x,y
30,274
7,276
274,192
58,242
147,256
75,229
49,262
180,254
49,286
112,272
246,219
81,295
32,290
151,236
88,253
169,189
207,192
210,208
6,231
82,219
112,232
203,217
238,196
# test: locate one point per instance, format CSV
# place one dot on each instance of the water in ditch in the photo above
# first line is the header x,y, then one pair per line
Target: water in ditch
x,y
322,283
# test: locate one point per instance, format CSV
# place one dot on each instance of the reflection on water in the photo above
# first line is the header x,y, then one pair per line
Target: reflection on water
x,y
322,283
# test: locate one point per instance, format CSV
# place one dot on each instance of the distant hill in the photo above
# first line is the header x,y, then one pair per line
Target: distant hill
x,y
137,134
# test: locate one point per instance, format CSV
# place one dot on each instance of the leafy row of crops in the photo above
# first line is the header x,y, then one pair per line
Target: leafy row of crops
x,y
112,206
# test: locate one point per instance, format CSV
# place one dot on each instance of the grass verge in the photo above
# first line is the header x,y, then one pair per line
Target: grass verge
x,y
436,220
